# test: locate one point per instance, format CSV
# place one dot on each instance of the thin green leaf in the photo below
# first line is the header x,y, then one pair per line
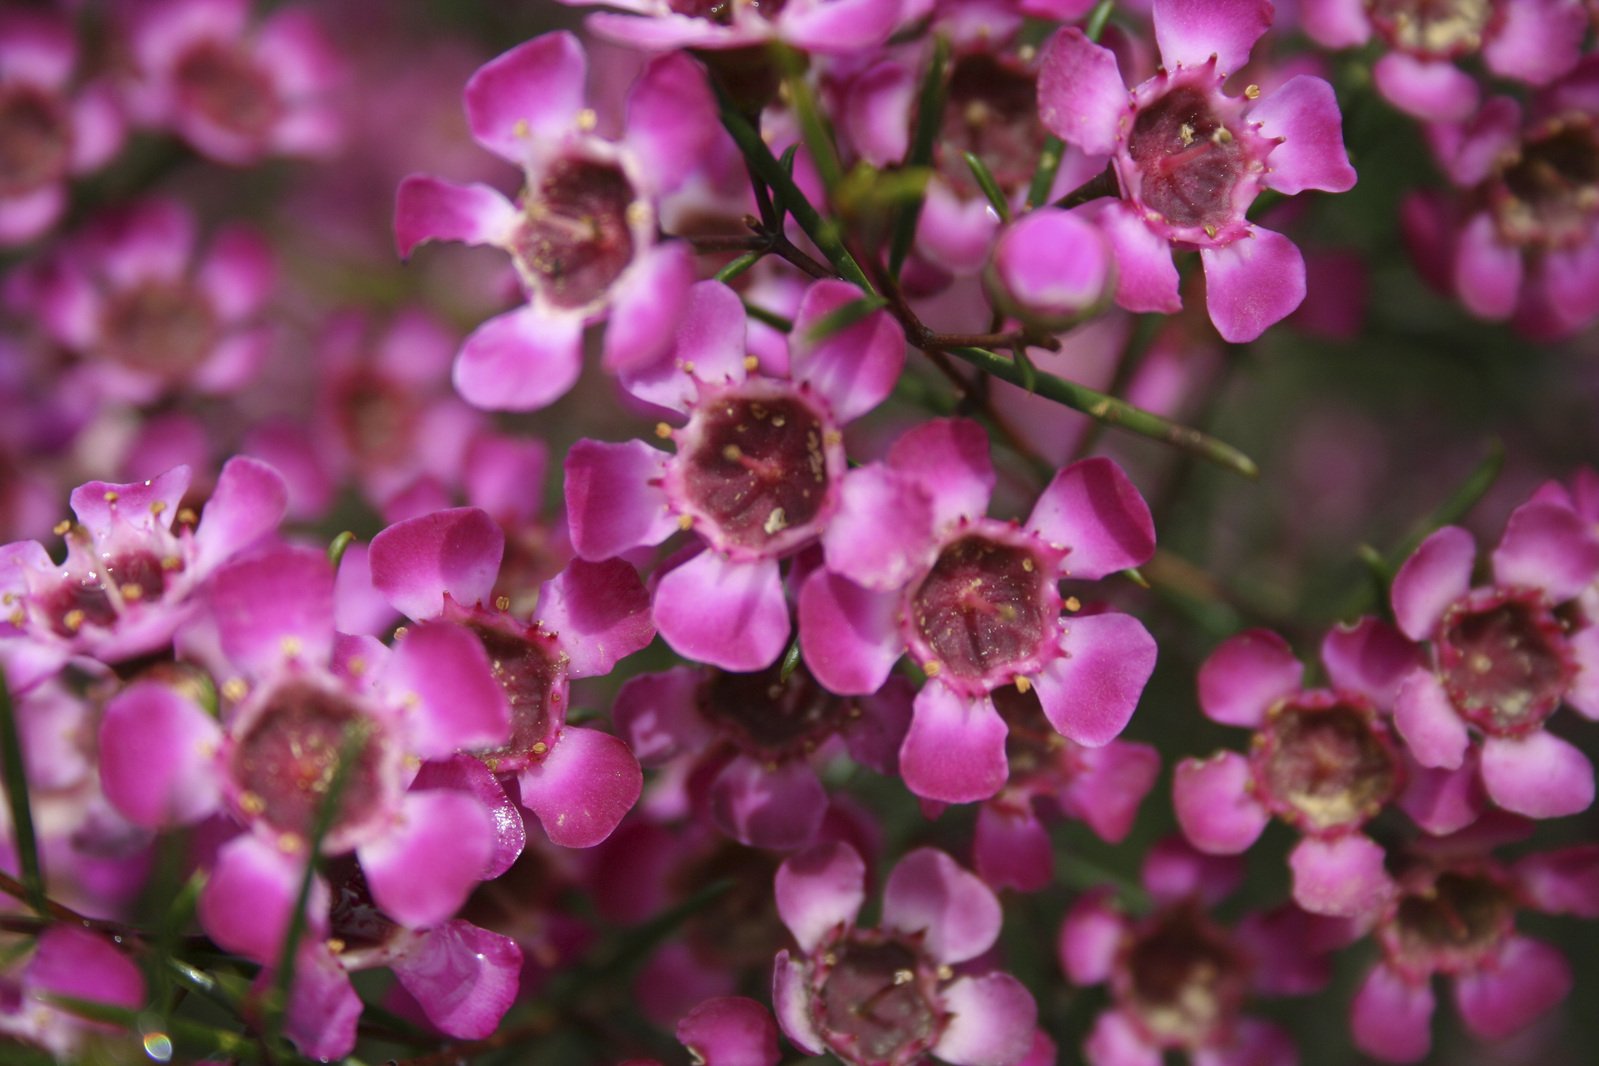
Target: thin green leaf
x,y
1029,371
738,266
791,661
843,317
1460,503
1136,576
16,774
771,318
929,117
990,187
337,548
1095,24
814,129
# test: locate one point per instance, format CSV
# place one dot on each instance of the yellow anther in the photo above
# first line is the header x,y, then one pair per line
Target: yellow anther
x,y
662,430
1023,685
111,497
157,506
1252,92
750,362
587,119
73,620
290,646
521,128
685,521
1073,603
933,669
251,803
62,527
235,689
540,748
502,603
130,591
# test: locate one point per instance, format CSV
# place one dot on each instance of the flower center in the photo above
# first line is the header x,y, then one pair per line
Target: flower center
x,y
35,139
159,327
1189,163
1452,923
86,599
376,419
354,919
1324,761
532,671
284,763
1547,194
225,85
1182,977
1438,28
878,1002
992,113
575,239
770,718
721,11
756,470
982,608
1504,661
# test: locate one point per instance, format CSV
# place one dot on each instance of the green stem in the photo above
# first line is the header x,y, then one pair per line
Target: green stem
x,y
929,116
16,774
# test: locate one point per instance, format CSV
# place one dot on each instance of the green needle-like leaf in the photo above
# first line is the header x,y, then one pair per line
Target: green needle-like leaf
x,y
990,187
16,774
929,117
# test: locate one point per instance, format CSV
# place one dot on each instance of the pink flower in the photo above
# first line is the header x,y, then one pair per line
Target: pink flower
x,y
892,995
583,235
913,565
1191,159
70,963
823,26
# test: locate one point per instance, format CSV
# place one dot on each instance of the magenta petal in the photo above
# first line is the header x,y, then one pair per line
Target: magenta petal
x,y
726,613
599,611
1434,90
779,807
1428,723
1487,270
1107,786
442,674
424,867
1335,23
954,750
1443,801
1370,657
247,504
657,715
1342,878
730,1031
709,344
1539,775
835,27
100,505
1252,283
948,458
1081,96
520,361
874,116
671,118
274,606
1094,511
848,634
1218,813
930,893
1535,41
1091,938
158,757
1090,692
417,562
583,788
464,978
1191,31
1583,695
1562,882
323,1007
466,773
1548,546
1116,1040
1527,980
528,96
882,534
791,1003
855,368
1146,277
1011,848
1304,113
645,305
248,900
820,890
994,1017
614,499
1391,1016
1437,574
432,209
82,965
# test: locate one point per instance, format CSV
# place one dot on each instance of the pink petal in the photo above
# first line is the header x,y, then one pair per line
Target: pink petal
x,y
1094,511
1487,270
1081,96
82,965
1540,775
1428,722
614,499
151,504
237,273
791,1003
1527,980
455,553
158,755
820,890
583,788
1146,277
849,635
1116,1041
1304,113
730,1031
882,534
1108,785
1443,801
441,673
274,606
955,748
1245,676
671,119
994,1020
466,773
1392,1017
248,900
1549,546
1535,41
1434,90
645,305
599,611
1091,938
1090,692
658,715
1189,32
729,614
1562,882
424,867
778,807
948,458
930,893
1252,283
464,978
1335,23
1215,807
1370,658
839,27
528,96
855,368
432,209
711,337
1011,848
520,361
1571,276
1342,878
323,1007
875,117
1174,871
1437,574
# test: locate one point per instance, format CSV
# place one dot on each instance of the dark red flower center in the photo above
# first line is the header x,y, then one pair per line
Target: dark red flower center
x,y
878,1002
1188,161
285,762
992,112
576,239
225,85
1504,661
1182,977
1451,923
1437,28
354,921
754,468
85,600
1547,192
1323,761
35,139
532,670
771,718
721,11
376,417
159,327
982,607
